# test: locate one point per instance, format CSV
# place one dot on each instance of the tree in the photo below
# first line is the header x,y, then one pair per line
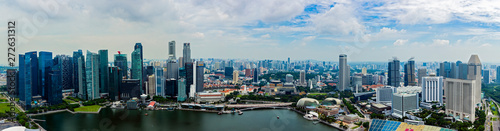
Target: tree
x,y
366,124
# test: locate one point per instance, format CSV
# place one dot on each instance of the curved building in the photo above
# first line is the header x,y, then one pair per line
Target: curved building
x,y
307,102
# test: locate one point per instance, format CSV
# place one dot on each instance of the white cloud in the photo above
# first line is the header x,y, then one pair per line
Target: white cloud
x,y
265,36
439,42
341,19
400,42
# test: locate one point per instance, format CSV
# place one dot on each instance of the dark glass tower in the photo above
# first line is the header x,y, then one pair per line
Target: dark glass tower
x,y
393,75
44,62
54,92
121,62
115,78
103,71
410,73
78,71
200,67
32,77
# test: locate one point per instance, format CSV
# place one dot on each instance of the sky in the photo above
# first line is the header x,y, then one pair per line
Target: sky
x,y
365,30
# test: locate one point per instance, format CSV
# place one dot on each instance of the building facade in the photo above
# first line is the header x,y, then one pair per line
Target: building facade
x,y
432,89
394,78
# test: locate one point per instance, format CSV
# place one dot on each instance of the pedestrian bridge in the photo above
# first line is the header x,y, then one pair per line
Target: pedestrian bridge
x,y
240,106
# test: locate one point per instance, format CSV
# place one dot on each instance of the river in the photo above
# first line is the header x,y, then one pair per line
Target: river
x,y
135,120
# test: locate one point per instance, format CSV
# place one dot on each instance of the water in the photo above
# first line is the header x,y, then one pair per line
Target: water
x,y
134,120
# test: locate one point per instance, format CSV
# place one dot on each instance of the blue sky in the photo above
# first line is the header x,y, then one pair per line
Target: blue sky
x,y
365,30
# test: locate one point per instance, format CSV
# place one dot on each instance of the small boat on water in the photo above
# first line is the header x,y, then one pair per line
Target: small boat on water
x,y
278,117
146,114
315,122
220,113
240,113
311,116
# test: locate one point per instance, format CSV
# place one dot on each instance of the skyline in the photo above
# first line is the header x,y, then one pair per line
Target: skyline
x,y
321,30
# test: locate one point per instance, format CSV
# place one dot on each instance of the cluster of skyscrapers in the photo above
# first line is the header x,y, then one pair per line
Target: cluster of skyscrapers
x,y
42,78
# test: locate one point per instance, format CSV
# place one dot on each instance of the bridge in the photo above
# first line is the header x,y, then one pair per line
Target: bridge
x,y
240,106
254,108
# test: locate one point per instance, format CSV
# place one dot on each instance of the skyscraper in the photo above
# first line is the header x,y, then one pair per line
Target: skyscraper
x,y
228,72
24,90
32,75
159,82
54,90
486,76
136,70
302,79
171,51
44,63
498,75
200,67
255,75
121,62
235,77
462,71
445,69
103,71
186,51
344,74
432,89
92,72
65,63
78,60
474,73
189,68
181,96
393,74
409,71
422,72
115,79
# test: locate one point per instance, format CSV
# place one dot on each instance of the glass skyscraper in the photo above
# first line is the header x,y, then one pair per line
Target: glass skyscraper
x,y
44,63
31,65
54,90
103,71
121,62
24,91
92,72
181,96
78,72
136,70
115,79
160,81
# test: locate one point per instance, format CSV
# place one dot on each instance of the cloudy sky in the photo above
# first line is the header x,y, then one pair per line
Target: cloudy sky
x,y
365,30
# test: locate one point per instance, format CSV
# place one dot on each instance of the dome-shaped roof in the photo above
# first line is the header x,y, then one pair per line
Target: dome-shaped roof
x,y
331,101
307,102
350,117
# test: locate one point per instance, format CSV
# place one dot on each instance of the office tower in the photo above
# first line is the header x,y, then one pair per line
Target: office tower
x,y
486,76
32,73
171,51
121,63
65,63
248,73
462,71
460,98
186,51
172,70
363,71
54,90
44,63
367,79
289,78
404,102
200,67
129,89
171,89
181,96
235,77
25,91
78,72
474,73
92,69
302,76
410,73
115,79
498,75
393,74
181,62
454,70
384,94
228,72
151,85
82,78
357,82
189,68
159,81
422,72
432,89
103,71
344,73
255,75
445,69
136,70
150,70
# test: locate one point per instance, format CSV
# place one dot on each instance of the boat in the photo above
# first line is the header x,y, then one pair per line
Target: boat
x,y
278,117
240,113
220,113
146,114
311,116
315,122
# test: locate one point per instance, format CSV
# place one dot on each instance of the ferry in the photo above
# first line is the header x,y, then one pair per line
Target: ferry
x,y
311,116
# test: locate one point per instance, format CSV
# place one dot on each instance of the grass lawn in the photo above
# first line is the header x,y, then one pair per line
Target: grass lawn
x,y
313,94
92,108
494,119
495,112
69,101
4,107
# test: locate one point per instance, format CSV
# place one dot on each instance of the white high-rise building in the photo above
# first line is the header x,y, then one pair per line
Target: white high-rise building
x,y
344,73
303,78
474,73
432,89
